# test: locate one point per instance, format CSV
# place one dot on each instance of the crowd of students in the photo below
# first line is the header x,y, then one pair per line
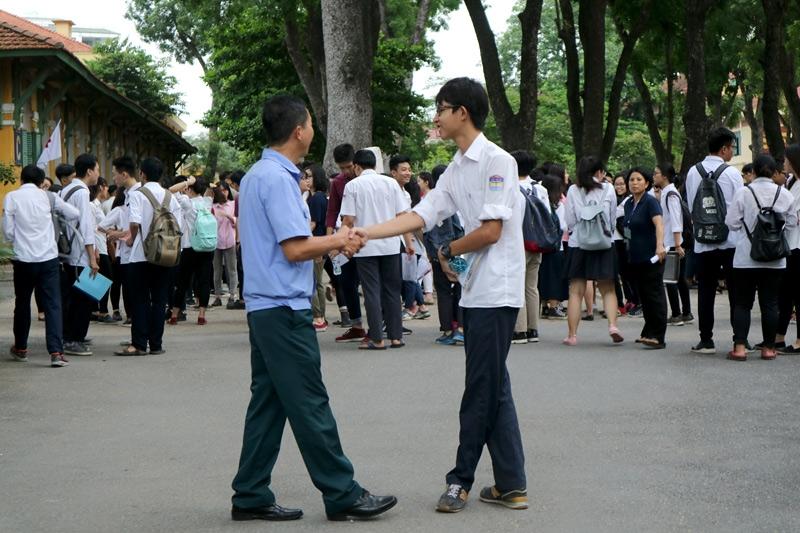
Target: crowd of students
x,y
80,223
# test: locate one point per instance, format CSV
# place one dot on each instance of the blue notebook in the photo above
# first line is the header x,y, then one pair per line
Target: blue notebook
x,y
95,287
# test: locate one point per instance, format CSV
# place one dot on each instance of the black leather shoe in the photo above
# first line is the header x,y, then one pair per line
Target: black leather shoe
x,y
367,506
268,512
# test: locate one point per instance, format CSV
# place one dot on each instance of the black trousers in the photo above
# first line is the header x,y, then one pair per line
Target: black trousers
x,y
448,294
767,281
349,282
194,265
337,286
76,306
710,265
678,293
649,281
106,269
789,295
381,280
623,285
44,277
119,286
239,270
487,415
148,286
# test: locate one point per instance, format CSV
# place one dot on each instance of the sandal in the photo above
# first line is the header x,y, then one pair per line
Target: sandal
x,y
616,336
130,351
571,340
398,345
733,356
768,354
369,345
173,320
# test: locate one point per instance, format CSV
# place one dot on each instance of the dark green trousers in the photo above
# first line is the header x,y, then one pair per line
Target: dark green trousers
x,y
287,384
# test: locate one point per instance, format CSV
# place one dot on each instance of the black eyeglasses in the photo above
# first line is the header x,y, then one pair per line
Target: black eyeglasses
x,y
442,108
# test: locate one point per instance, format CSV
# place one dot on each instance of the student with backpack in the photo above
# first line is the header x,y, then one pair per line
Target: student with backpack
x,y
199,241
710,187
677,238
28,215
155,242
643,230
763,210
541,233
225,253
590,212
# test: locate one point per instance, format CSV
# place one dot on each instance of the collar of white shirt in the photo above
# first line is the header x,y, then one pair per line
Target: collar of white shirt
x,y
473,152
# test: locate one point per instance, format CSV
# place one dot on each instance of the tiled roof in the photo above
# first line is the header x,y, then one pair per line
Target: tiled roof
x,y
30,35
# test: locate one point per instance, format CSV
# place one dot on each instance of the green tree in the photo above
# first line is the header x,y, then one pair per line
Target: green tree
x,y
228,157
137,75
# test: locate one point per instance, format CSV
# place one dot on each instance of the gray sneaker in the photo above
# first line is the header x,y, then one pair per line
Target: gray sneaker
x,y
76,348
57,360
675,320
453,500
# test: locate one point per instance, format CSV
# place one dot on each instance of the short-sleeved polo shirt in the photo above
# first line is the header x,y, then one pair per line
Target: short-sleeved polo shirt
x,y
639,220
273,211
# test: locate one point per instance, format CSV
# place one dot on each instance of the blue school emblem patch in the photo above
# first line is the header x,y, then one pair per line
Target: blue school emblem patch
x,y
496,183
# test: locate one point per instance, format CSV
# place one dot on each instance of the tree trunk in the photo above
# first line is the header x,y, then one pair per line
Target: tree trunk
x,y
751,115
773,44
670,94
629,40
790,89
695,119
663,156
565,21
592,29
307,53
348,65
516,129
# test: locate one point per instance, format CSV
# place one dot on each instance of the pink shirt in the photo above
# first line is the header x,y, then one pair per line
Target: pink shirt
x,y
226,228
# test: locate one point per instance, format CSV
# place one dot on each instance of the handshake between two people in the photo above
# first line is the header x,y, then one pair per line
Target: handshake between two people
x,y
349,241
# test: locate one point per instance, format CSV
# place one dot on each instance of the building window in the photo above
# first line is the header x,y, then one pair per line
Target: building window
x,y
737,150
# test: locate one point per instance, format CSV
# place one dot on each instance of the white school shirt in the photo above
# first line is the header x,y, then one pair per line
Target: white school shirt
x,y
28,223
482,184
729,182
189,207
793,233
541,193
605,196
373,198
86,222
100,239
744,207
672,214
141,212
123,250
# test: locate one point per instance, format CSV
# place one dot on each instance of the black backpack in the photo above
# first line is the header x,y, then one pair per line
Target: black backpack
x,y
767,240
541,231
687,234
65,232
709,208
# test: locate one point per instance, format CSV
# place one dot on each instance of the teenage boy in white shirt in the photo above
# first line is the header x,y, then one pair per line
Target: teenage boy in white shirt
x,y
372,198
148,284
28,226
76,305
482,186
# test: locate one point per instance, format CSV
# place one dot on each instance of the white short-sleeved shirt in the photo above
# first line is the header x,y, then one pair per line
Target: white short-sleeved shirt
x,y
373,198
100,240
141,212
482,184
577,198
672,214
729,181
541,193
86,224
793,234
744,210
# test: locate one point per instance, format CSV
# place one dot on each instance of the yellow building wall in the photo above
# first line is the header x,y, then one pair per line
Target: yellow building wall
x,y
6,126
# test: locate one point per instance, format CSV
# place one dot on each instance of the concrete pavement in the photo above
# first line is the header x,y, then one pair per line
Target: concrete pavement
x,y
617,438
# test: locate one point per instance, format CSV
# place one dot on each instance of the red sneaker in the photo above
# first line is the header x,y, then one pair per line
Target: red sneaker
x,y
321,326
352,335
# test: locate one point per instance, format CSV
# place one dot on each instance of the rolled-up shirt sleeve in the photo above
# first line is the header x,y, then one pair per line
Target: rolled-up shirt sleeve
x,y
501,190
436,206
87,222
288,221
348,206
9,210
675,213
135,208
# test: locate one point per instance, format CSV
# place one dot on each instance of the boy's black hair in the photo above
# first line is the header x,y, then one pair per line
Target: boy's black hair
x,y
152,168
84,163
398,159
64,170
365,159
32,174
280,116
719,138
526,162
343,153
469,94
125,164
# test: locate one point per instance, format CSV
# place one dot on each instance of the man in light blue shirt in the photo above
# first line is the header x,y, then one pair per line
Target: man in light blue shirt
x,y
277,250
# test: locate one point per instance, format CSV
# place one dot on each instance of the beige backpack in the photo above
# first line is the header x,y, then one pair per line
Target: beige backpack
x,y
162,246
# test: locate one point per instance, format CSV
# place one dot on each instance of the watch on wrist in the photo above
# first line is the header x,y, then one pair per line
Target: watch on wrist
x,y
445,250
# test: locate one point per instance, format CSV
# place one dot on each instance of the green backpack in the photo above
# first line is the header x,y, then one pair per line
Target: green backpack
x,y
204,234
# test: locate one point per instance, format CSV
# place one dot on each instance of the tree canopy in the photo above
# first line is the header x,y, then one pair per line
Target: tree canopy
x,y
138,76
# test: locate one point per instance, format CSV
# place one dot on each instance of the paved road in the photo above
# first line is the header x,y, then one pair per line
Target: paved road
x,y
616,438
